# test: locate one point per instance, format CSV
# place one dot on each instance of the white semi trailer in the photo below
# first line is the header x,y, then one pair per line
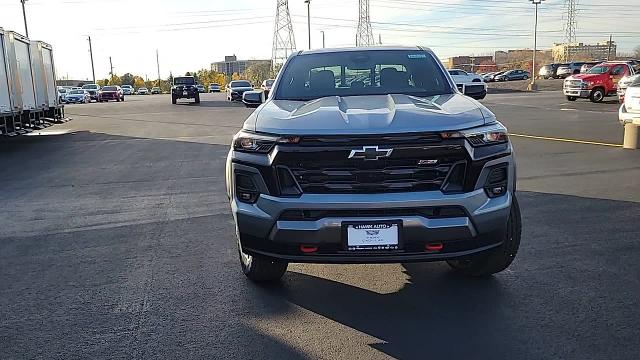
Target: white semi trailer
x,y
45,80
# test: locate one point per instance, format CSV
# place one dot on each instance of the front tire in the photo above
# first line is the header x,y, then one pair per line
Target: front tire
x,y
174,100
596,95
197,98
261,269
497,259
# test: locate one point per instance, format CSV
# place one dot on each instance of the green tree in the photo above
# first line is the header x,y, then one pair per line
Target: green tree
x,y
138,82
127,79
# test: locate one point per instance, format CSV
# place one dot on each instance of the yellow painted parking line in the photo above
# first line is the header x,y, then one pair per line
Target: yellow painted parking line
x,y
565,140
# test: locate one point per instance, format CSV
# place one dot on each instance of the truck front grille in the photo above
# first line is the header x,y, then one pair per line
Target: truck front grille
x,y
407,169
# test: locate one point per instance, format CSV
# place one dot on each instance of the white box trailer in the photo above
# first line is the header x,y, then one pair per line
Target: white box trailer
x,y
44,75
7,111
20,73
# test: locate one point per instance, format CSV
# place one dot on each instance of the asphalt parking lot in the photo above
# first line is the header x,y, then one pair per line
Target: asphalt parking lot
x,y
117,242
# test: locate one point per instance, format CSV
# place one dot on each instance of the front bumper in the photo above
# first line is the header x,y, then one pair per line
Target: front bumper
x,y
264,230
626,117
581,93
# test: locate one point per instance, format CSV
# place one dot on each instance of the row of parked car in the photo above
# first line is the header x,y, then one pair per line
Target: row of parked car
x,y
93,92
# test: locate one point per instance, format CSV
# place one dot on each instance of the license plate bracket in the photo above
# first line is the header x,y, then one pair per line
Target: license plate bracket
x,y
381,235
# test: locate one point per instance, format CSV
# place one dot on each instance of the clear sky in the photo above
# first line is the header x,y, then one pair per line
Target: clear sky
x,y
190,34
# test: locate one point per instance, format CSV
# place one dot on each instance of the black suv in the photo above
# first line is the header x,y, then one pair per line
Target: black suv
x,y
184,87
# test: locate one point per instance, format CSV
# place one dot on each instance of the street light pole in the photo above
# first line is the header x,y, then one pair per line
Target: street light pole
x,y
308,2
533,85
322,31
24,15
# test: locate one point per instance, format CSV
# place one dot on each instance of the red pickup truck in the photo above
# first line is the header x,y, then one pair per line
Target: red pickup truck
x,y
600,81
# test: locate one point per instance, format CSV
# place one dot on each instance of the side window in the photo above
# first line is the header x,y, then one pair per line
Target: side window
x,y
618,70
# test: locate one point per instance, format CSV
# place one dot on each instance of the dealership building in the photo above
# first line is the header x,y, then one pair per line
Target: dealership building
x,y
232,65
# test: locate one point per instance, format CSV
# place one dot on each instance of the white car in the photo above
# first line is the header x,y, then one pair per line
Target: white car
x,y
128,89
630,109
463,77
143,91
624,83
469,83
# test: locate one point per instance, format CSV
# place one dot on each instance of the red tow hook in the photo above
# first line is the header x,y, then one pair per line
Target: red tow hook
x,y
434,247
308,249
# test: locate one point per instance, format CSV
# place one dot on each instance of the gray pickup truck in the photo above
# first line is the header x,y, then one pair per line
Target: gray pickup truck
x,y
371,155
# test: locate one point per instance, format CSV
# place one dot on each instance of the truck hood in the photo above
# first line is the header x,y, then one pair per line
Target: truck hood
x,y
371,114
587,77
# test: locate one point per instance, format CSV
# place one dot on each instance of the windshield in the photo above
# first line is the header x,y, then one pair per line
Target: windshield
x,y
214,85
240,83
126,86
109,88
184,81
600,69
76,92
352,73
90,87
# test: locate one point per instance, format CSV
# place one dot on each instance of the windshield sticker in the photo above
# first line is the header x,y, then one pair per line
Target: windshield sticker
x,y
417,56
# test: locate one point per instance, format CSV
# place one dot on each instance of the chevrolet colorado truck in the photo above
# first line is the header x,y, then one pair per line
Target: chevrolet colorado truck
x,y
597,83
371,155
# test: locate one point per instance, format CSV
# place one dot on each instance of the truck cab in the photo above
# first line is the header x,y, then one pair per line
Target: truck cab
x,y
597,83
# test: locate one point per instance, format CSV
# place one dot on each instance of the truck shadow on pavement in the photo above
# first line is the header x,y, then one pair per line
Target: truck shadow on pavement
x,y
568,294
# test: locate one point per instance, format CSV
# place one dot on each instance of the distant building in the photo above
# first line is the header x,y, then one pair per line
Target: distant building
x,y
469,63
581,51
231,65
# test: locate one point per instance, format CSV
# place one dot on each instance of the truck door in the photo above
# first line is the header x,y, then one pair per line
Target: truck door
x,y
617,72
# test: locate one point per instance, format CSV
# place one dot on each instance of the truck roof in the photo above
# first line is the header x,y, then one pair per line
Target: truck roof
x,y
362,48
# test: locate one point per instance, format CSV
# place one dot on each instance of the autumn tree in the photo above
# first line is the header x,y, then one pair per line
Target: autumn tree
x,y
127,79
257,73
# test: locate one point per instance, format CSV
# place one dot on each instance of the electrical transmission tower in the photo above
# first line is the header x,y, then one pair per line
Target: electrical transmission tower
x,y
571,24
284,42
364,36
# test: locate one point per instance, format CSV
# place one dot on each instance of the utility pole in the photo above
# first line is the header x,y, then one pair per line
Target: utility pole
x,y
364,32
379,39
24,15
158,63
308,2
533,86
284,43
322,31
111,67
609,50
93,70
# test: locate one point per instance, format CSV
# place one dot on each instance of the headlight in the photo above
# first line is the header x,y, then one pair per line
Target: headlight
x,y
484,135
260,143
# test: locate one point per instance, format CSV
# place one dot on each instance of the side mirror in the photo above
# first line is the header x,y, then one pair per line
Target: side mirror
x,y
253,98
477,90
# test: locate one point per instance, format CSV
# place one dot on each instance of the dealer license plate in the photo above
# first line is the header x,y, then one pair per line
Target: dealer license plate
x,y
373,236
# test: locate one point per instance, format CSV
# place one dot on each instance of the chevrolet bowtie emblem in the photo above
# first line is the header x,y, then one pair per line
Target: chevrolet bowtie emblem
x,y
370,153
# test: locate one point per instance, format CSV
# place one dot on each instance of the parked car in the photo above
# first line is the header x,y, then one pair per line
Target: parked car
x,y
469,83
513,75
493,76
93,90
588,65
184,87
461,76
110,93
62,92
143,91
549,71
155,90
313,178
569,69
77,97
266,86
236,88
214,88
488,77
600,81
630,109
128,90
201,88
624,83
